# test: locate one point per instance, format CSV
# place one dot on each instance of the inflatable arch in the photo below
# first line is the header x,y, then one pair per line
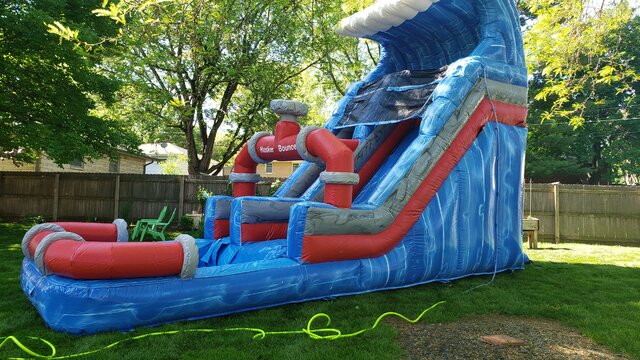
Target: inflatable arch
x,y
416,177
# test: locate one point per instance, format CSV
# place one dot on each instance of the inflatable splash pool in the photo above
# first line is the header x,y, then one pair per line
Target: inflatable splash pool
x,y
416,177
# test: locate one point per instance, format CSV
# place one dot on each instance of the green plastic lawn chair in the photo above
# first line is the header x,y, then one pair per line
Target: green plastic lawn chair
x,y
145,222
156,230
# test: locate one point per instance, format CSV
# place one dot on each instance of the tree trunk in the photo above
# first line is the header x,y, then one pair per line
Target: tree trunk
x,y
202,165
192,153
600,174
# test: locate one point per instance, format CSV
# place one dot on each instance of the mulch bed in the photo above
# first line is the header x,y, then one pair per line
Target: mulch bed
x,y
545,339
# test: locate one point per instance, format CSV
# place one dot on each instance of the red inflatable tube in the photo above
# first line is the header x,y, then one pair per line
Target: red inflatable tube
x,y
281,146
92,231
244,164
35,241
335,247
339,158
285,130
244,189
89,231
103,260
336,154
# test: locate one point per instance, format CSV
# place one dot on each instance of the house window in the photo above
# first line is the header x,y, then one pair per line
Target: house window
x,y
114,166
76,164
295,167
269,168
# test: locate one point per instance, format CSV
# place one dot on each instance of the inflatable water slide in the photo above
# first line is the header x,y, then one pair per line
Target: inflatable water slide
x,y
416,177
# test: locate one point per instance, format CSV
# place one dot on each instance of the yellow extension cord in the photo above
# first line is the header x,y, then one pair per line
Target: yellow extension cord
x,y
323,333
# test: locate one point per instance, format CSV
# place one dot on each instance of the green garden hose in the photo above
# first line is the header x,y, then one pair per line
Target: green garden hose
x,y
321,333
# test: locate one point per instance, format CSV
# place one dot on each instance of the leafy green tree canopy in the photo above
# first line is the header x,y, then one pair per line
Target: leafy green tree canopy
x,y
49,88
572,47
584,115
206,66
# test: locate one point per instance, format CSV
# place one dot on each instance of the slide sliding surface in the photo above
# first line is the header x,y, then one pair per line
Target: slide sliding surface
x,y
373,232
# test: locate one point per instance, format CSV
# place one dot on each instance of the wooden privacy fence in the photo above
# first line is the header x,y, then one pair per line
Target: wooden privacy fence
x,y
103,197
581,213
585,213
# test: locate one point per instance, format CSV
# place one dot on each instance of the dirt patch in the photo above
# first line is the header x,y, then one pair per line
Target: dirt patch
x,y
545,339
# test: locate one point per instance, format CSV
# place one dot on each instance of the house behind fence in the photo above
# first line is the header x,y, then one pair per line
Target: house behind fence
x,y
124,163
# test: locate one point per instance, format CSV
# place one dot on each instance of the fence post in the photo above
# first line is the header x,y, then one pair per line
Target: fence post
x,y
556,212
116,201
56,195
181,198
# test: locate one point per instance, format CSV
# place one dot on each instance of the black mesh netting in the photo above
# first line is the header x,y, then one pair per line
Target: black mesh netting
x,y
394,97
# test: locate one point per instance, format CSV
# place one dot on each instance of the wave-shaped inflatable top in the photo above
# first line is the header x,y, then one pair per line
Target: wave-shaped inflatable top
x,y
381,16
424,34
463,35
416,177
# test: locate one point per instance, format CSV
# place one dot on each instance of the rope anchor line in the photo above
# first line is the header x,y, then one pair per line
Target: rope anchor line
x,y
321,333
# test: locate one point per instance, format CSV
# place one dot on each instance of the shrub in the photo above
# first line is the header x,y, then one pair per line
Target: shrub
x,y
186,223
34,220
203,195
275,185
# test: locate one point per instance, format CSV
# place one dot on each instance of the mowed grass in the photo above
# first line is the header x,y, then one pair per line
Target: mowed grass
x,y
593,289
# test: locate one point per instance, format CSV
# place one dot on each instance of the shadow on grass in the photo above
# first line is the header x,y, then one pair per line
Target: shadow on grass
x,y
600,301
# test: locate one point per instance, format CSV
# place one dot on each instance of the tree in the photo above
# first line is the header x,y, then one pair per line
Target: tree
x,y
347,59
344,60
206,65
133,108
49,89
572,47
172,166
589,131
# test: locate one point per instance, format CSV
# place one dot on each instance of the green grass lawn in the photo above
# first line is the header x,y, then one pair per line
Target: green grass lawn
x,y
594,289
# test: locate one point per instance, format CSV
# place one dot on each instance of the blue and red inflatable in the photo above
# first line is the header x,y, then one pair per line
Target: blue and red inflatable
x,y
415,178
